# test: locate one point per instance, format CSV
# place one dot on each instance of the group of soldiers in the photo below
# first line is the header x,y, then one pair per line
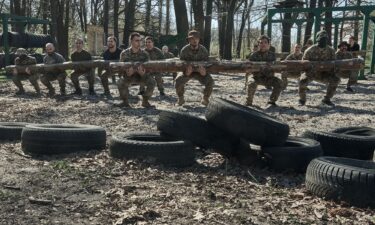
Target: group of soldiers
x,y
320,51
193,51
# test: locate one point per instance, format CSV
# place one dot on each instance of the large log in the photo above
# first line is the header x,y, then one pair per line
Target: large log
x,y
211,66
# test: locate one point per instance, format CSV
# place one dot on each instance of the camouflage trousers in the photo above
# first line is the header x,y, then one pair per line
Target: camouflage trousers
x,y
104,79
352,76
159,82
328,78
90,76
207,81
48,77
125,81
267,81
32,78
286,75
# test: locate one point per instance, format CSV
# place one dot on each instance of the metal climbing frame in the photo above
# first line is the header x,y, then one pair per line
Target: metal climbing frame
x,y
7,19
368,12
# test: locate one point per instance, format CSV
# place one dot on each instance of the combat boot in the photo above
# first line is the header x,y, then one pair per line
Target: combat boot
x,y
205,101
51,92
301,102
62,91
348,88
181,101
37,88
249,102
20,92
91,91
145,103
328,102
78,91
124,103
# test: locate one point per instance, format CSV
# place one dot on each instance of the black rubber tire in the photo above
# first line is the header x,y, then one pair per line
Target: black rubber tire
x,y
245,155
187,127
11,130
295,155
348,142
246,123
62,138
165,150
345,179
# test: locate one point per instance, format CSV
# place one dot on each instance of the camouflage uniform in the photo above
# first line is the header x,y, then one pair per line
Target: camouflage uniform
x,y
285,74
351,74
265,77
155,54
51,76
315,53
89,73
146,80
189,54
33,77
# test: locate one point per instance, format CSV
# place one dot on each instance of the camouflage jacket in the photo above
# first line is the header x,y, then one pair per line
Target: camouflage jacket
x,y
189,54
53,58
315,53
293,56
22,61
129,56
259,56
168,55
155,53
343,55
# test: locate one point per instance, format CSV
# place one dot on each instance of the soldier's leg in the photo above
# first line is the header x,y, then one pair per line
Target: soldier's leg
x,y
74,76
61,79
159,83
208,83
123,88
181,80
284,78
352,80
91,81
34,81
333,81
150,84
113,78
302,87
251,89
104,80
142,88
246,79
277,87
17,81
174,75
46,80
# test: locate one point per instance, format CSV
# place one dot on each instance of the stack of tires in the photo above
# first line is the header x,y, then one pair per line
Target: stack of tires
x,y
27,40
37,139
347,171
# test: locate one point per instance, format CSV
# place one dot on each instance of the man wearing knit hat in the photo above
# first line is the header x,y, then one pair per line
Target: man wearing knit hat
x,y
194,52
319,52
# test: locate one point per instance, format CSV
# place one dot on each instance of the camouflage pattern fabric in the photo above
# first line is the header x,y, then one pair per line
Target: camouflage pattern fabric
x,y
189,54
285,74
89,73
33,77
315,53
60,76
351,74
168,55
266,77
155,54
123,84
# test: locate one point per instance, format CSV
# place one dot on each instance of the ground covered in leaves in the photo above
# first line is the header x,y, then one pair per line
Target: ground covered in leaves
x,y
93,188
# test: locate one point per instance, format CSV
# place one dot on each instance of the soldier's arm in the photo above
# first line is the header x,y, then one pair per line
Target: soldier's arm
x,y
204,53
124,57
184,54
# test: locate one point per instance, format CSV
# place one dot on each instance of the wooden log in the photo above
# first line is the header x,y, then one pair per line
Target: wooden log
x,y
211,66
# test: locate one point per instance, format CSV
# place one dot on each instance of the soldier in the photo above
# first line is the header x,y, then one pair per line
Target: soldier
x,y
112,53
308,44
137,76
24,59
319,52
342,53
194,52
53,57
169,55
154,54
296,55
265,77
82,55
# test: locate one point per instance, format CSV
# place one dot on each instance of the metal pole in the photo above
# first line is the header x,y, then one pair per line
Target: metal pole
x,y
372,69
335,40
366,20
5,38
299,32
269,24
316,22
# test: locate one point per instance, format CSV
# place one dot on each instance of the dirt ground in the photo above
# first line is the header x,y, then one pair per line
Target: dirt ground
x,y
93,188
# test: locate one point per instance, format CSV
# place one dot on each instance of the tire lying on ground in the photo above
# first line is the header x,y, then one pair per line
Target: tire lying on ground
x,y
62,138
162,149
349,142
345,179
247,123
245,155
187,127
295,155
11,130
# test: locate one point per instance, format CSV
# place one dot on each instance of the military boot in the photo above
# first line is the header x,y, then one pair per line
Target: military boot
x,y
21,91
62,91
51,92
78,91
36,87
181,100
205,100
145,103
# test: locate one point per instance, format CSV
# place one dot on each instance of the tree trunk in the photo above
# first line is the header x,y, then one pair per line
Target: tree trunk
x,y
129,20
207,25
115,20
106,18
356,23
286,31
309,24
161,2
44,5
328,24
197,6
245,18
221,22
148,16
229,30
167,16
60,25
182,23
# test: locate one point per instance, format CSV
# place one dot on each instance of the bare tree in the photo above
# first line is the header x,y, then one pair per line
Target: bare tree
x,y
167,17
148,16
197,6
106,18
181,21
60,18
309,24
207,25
245,17
115,18
129,20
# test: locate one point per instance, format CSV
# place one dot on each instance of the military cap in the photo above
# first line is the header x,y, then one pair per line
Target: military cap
x,y
193,33
321,34
21,51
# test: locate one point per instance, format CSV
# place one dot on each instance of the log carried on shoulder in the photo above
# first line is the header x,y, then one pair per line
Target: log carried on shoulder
x,y
211,66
